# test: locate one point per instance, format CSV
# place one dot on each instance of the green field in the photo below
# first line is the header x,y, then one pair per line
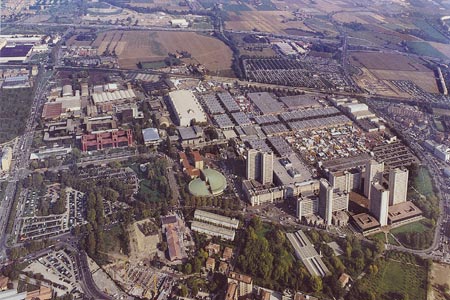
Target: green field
x,y
425,49
380,236
431,33
397,277
152,64
419,226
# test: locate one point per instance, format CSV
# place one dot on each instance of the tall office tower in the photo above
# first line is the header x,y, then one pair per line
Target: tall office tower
x,y
253,168
267,168
326,201
398,186
260,166
345,181
379,203
374,172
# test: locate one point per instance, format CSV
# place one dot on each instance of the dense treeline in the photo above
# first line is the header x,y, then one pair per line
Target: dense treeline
x,y
268,257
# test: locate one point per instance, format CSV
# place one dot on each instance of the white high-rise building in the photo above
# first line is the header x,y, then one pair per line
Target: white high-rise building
x,y
379,203
398,186
260,166
374,172
326,201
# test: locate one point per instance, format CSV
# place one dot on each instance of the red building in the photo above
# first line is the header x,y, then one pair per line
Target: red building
x,y
114,139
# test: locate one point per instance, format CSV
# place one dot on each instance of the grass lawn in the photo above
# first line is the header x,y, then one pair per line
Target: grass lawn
x,y
419,226
392,241
380,236
397,278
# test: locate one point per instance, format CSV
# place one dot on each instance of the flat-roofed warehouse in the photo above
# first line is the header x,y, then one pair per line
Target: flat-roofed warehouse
x,y
300,101
186,108
220,220
265,103
229,102
223,121
212,104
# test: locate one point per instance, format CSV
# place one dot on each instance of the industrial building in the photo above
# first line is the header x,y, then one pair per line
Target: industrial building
x,y
6,159
212,230
290,170
216,219
186,108
305,251
15,53
265,103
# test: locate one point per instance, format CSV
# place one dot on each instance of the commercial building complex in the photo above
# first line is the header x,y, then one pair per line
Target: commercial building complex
x,y
374,172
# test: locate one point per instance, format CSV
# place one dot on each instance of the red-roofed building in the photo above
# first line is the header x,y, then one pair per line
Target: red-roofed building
x,y
114,139
52,110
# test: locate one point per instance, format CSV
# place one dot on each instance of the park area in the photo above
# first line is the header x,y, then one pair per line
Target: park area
x,y
400,276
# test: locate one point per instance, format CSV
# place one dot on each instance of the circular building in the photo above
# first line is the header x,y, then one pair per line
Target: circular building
x,y
210,183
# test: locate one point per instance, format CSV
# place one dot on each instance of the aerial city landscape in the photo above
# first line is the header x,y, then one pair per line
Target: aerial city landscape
x,y
225,149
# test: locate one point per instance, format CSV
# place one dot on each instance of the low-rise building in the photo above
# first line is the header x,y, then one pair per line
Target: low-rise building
x,y
244,283
151,136
210,264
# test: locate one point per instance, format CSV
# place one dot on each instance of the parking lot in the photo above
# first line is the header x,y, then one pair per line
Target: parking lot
x,y
58,267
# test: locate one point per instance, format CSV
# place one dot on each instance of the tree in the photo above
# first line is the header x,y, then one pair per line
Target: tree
x,y
316,283
187,268
183,290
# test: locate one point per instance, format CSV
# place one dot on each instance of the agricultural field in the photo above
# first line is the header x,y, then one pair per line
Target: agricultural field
x,y
172,5
133,47
267,21
359,17
378,68
439,280
425,49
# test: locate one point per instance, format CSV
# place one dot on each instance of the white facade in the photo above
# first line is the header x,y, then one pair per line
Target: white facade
x,y
374,172
186,108
379,203
398,186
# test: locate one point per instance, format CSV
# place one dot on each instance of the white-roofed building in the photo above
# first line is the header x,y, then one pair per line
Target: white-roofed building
x,y
186,108
151,136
